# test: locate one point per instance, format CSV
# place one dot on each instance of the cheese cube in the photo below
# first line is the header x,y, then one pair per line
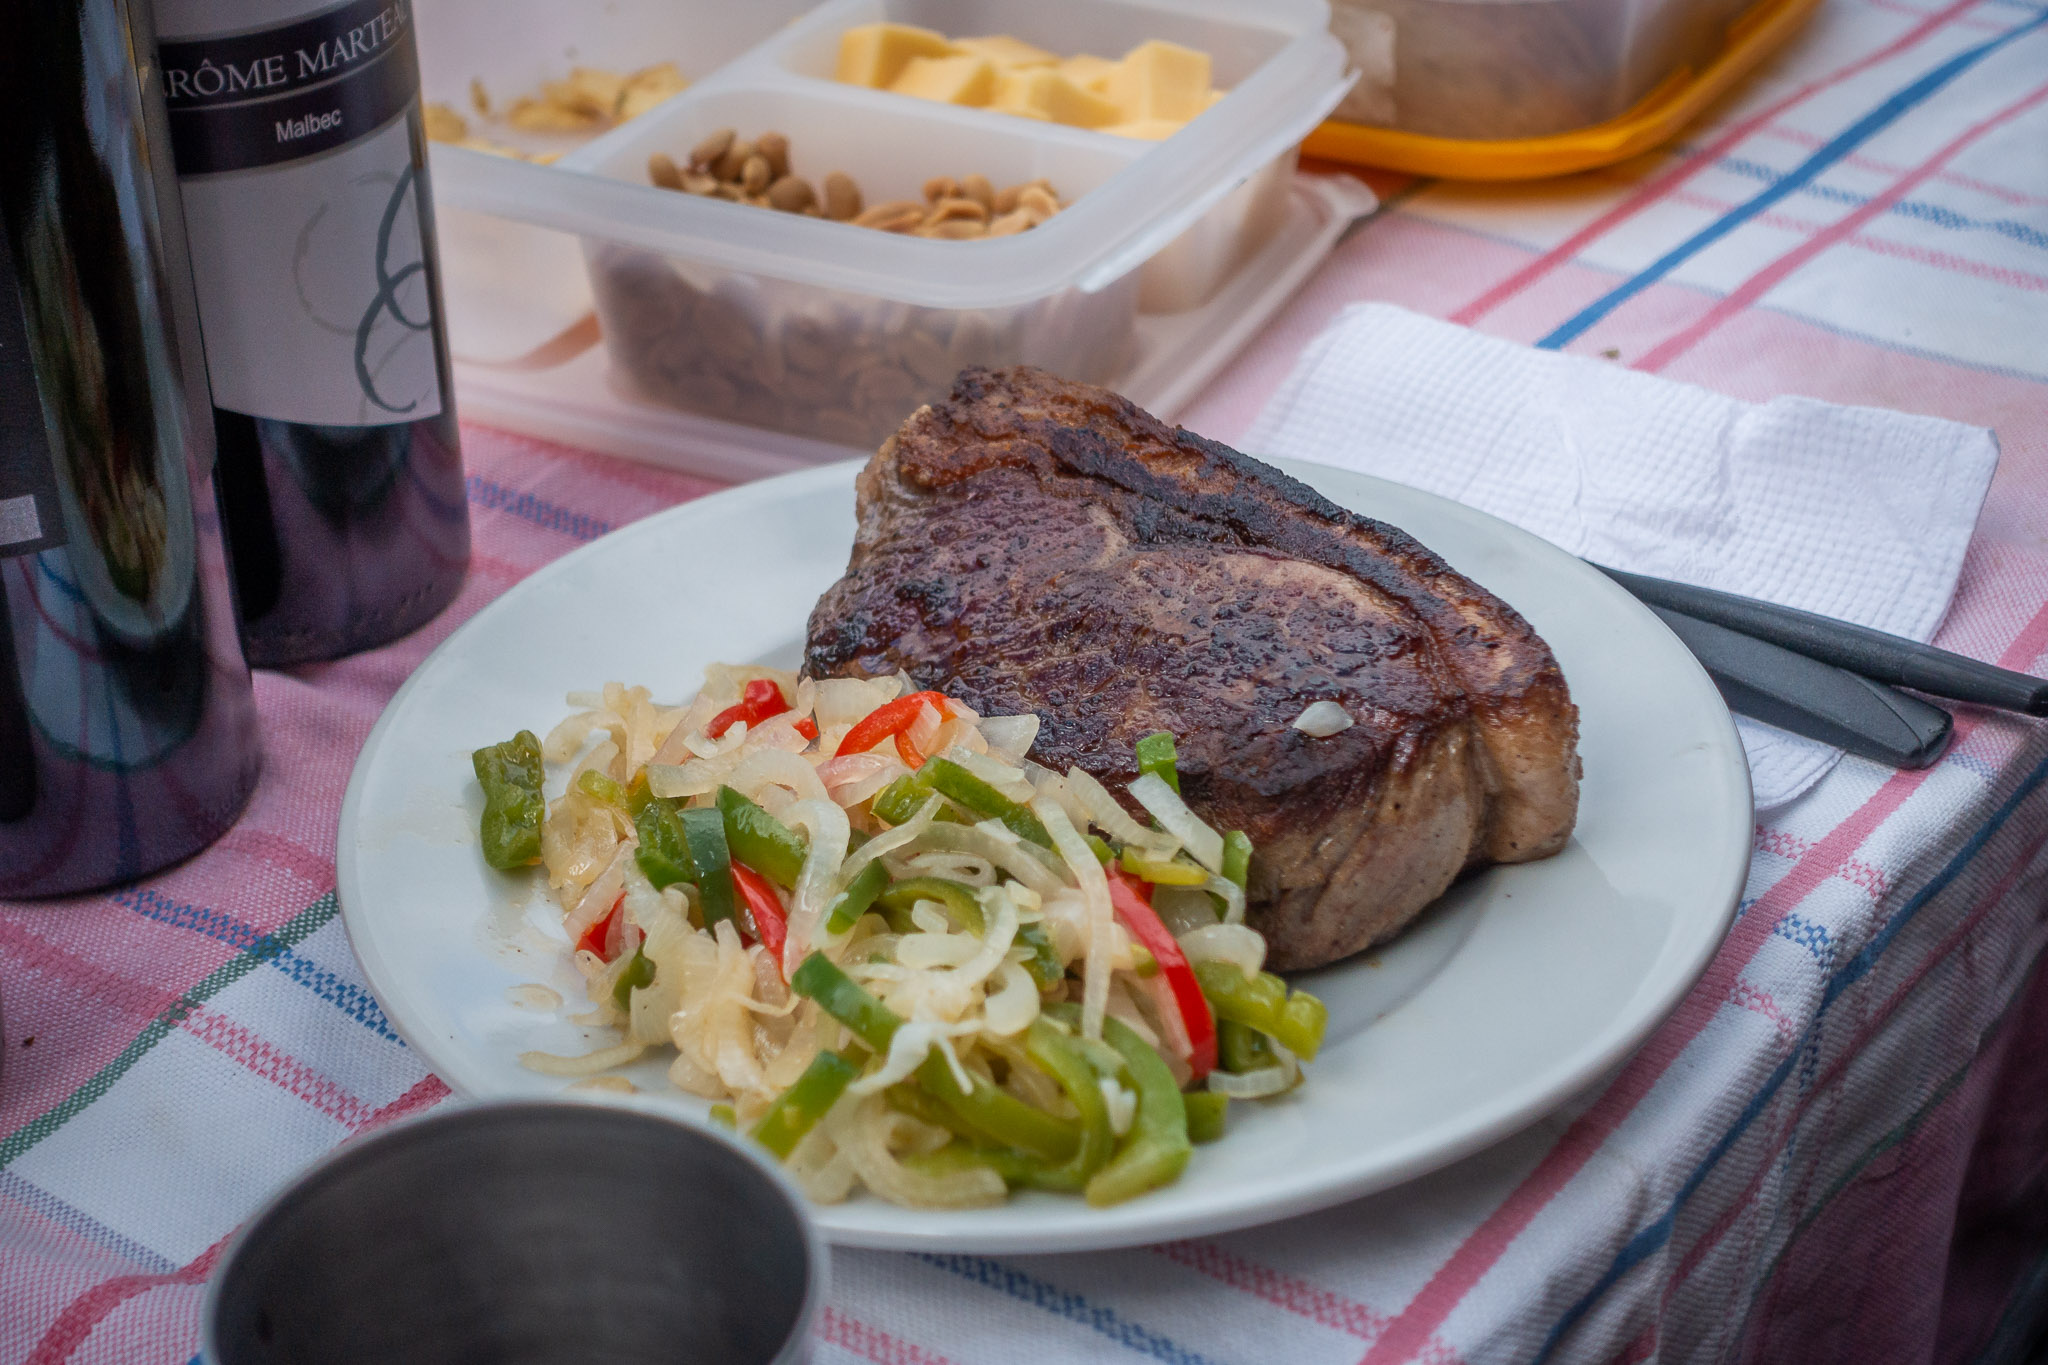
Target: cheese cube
x,y
874,55
1088,71
1149,129
1042,92
949,80
1006,52
1159,79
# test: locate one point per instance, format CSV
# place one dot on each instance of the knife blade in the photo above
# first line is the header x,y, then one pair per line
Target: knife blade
x,y
1871,653
1820,701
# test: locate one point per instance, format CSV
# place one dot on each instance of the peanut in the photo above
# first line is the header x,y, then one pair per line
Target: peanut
x,y
1038,199
898,215
1011,223
662,170
842,197
939,187
947,210
977,188
707,152
732,159
1005,200
955,230
775,147
755,175
791,194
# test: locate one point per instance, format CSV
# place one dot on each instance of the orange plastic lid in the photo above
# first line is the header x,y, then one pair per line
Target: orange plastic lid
x,y
1655,119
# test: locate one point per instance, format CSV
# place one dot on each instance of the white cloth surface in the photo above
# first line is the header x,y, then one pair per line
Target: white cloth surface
x,y
1857,513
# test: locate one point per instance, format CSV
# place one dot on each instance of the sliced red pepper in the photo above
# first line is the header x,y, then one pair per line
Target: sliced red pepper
x,y
599,934
807,727
890,718
771,922
907,751
760,700
1132,901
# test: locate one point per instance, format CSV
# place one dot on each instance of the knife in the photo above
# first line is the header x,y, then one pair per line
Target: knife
x,y
1820,701
1870,653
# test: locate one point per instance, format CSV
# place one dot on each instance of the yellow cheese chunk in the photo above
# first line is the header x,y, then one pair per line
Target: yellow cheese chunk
x,y
1150,129
1160,80
949,80
874,55
1007,53
1044,93
1088,71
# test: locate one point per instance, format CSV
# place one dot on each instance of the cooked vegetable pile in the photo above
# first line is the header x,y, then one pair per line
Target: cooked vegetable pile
x,y
899,953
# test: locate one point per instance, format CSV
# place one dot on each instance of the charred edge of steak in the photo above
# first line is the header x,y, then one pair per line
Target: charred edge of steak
x,y
1024,418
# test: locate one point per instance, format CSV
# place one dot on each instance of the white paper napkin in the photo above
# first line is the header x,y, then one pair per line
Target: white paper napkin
x,y
1856,513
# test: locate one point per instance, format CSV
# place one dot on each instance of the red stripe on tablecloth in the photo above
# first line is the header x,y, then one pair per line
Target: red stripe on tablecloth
x,y
1324,1307
286,1072
872,1342
75,1323
1863,161
1490,1240
425,1093
1881,246
1872,1022
1757,285
1662,185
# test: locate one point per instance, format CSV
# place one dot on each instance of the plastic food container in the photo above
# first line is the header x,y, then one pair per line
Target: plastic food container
x,y
1514,89
825,330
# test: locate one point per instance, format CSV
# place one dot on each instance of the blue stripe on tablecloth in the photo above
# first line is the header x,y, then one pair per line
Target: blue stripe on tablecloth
x,y
21,1190
351,999
549,516
1656,1234
1808,934
1936,214
1066,1304
1857,133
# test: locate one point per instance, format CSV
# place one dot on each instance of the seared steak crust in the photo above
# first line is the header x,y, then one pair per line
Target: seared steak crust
x,y
1038,545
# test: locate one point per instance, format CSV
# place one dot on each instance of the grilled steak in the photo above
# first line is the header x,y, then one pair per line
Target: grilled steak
x,y
1032,544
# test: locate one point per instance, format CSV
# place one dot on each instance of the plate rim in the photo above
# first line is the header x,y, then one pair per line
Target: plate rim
x,y
1128,1225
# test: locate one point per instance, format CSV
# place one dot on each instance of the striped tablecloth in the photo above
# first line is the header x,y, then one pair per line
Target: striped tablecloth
x,y
1836,1149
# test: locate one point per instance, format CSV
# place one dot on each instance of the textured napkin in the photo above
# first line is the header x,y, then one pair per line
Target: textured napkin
x,y
1856,513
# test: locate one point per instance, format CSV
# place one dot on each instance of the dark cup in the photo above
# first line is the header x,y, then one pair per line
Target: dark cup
x,y
524,1234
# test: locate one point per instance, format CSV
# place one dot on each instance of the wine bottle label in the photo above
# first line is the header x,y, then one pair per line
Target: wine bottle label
x,y
30,517
296,155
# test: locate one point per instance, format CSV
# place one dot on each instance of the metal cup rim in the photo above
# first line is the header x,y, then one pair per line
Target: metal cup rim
x,y
817,1257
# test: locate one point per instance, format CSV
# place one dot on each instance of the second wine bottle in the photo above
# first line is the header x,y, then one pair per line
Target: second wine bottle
x,y
300,152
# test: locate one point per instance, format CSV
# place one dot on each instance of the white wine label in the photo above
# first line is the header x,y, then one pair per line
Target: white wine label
x,y
296,155
30,516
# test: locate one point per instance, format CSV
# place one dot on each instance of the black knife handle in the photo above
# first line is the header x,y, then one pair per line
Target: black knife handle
x,y
1872,653
1810,698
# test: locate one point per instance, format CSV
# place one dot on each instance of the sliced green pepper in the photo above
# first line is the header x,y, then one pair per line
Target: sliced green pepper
x,y
511,775
1062,1058
704,830
638,794
1295,1021
639,973
761,841
664,851
1206,1111
1241,1048
1237,857
1015,1167
1044,962
995,1114
1169,872
964,789
957,897
849,905
900,801
1099,846
725,1116
797,1110
1156,754
593,783
1156,1150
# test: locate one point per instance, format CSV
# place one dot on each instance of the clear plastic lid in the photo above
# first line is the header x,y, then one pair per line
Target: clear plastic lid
x,y
1282,70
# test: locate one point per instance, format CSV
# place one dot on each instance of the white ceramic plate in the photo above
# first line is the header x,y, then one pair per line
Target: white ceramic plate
x,y
1524,985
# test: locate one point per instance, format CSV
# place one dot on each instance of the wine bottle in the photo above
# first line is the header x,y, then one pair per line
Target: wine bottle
x,y
299,143
128,731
